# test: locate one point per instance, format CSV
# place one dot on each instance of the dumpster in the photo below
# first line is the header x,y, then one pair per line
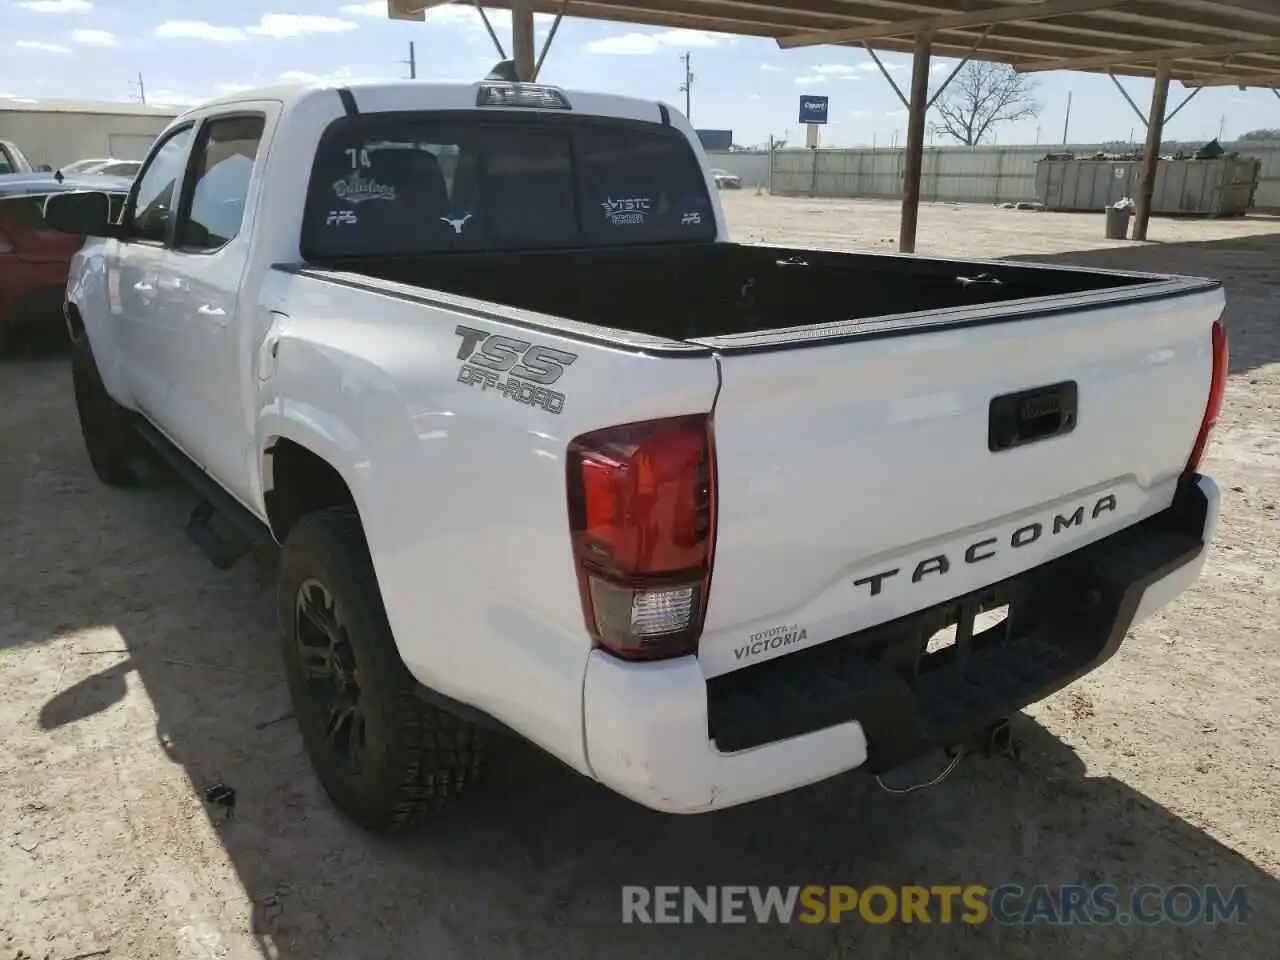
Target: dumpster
x,y
1222,187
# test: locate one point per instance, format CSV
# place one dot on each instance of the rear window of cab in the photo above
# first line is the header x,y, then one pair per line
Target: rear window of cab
x,y
404,184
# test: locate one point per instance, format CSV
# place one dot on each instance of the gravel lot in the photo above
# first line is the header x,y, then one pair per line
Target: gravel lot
x,y
137,675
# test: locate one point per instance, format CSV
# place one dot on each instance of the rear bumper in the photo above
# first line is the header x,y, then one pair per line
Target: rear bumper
x,y
666,737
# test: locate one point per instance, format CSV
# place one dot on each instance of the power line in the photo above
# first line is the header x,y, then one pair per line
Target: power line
x,y
142,89
687,87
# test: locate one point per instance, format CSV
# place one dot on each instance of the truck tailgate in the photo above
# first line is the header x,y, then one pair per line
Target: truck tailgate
x,y
857,480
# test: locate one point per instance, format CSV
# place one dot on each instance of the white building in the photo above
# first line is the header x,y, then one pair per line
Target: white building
x,y
62,131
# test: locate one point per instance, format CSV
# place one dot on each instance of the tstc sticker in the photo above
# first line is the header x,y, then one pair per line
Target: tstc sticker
x,y
626,211
457,223
354,188
688,218
340,217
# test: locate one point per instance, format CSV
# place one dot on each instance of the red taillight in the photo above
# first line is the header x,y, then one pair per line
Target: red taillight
x,y
1217,390
642,518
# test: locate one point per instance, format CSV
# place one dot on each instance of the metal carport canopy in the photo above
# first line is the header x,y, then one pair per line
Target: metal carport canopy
x,y
1197,42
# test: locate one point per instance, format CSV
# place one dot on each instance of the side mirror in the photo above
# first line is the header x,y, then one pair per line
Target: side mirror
x,y
79,212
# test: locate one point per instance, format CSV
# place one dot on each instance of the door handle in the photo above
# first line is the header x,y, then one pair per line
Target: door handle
x,y
207,311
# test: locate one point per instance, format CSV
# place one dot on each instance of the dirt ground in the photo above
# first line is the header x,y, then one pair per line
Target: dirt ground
x,y
136,675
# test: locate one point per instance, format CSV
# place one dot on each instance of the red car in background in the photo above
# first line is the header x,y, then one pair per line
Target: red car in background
x,y
34,259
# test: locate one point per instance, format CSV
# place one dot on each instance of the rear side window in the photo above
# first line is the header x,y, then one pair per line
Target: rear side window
x,y
225,156
410,184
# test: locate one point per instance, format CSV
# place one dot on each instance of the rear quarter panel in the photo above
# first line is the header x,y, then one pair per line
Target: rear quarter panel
x,y
461,489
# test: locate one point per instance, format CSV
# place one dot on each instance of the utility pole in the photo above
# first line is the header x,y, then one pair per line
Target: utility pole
x,y
687,87
142,90
1066,124
412,62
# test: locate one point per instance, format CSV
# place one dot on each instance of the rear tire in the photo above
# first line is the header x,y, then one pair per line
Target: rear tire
x,y
385,757
109,437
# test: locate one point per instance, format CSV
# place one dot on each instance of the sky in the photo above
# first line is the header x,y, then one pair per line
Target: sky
x,y
190,50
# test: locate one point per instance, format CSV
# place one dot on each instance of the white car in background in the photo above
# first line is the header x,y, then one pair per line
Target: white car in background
x,y
106,165
726,180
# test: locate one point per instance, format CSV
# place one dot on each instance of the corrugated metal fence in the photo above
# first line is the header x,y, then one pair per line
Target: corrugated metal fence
x,y
989,174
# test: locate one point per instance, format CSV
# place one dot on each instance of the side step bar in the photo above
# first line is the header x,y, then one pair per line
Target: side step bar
x,y
220,526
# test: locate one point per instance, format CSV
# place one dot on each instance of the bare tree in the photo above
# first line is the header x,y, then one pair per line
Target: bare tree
x,y
981,96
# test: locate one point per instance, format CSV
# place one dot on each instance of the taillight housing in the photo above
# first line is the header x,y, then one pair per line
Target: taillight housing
x,y
1217,390
642,516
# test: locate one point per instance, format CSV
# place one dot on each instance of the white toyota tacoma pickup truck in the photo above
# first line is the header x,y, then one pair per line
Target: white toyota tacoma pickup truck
x,y
544,451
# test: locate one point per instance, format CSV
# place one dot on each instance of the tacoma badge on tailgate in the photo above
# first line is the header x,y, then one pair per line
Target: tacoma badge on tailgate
x,y
988,547
526,381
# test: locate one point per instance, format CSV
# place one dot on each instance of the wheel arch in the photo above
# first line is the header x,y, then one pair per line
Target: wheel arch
x,y
297,480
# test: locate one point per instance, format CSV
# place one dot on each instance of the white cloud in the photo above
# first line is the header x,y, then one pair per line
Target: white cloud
x,y
341,75
170,98
58,6
278,26
819,79
282,25
872,68
754,96
198,30
93,38
770,68
643,44
41,45
302,76
832,71
377,8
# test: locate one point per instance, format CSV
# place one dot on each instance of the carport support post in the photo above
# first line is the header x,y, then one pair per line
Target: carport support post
x,y
1151,155
913,169
522,38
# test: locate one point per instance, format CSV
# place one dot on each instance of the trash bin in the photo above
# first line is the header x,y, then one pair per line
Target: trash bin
x,y
1118,222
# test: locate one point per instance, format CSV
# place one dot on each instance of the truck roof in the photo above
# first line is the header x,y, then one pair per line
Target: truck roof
x,y
425,94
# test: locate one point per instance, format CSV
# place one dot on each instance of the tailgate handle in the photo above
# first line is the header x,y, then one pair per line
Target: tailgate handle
x,y
1016,419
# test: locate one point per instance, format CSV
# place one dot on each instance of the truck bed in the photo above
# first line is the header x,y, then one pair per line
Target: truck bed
x,y
708,290
890,432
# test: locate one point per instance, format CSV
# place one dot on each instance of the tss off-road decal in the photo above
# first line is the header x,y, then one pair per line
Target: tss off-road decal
x,y
529,369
